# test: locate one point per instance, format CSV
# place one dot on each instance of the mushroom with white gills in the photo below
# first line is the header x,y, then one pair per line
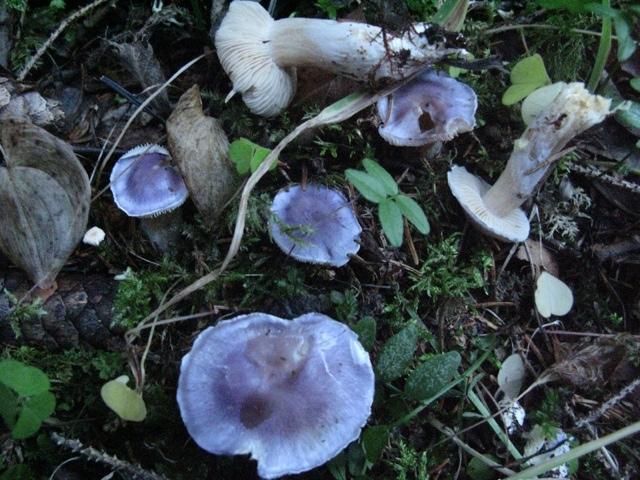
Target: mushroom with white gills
x,y
260,54
431,108
495,209
291,393
315,224
145,185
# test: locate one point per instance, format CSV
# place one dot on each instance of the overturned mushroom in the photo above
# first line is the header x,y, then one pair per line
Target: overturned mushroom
x,y
495,209
260,54
145,185
315,224
433,107
292,394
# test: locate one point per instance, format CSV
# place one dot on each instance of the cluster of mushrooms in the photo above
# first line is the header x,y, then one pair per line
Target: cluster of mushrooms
x,y
294,393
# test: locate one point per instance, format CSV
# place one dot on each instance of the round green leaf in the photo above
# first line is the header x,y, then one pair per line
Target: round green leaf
x,y
369,186
240,153
414,213
515,93
42,405
539,100
635,83
27,424
23,379
127,403
388,182
390,217
432,375
530,71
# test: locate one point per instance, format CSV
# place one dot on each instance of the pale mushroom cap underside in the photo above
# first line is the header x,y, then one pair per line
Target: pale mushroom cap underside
x,y
432,107
315,224
144,184
244,50
292,394
469,190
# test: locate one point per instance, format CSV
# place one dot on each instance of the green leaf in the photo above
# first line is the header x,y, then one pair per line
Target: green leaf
x,y
18,472
396,353
374,440
414,213
451,15
369,186
127,403
526,76
42,405
391,220
8,406
635,83
477,470
432,375
248,155
27,424
23,379
629,117
375,169
366,331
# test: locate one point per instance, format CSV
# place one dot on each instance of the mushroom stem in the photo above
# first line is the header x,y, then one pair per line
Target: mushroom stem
x,y
163,230
356,50
573,111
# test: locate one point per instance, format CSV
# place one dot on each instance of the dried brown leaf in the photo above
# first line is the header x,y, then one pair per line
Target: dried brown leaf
x,y
199,147
44,198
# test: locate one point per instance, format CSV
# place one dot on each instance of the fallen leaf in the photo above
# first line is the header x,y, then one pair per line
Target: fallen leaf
x,y
199,147
127,403
512,375
552,296
45,197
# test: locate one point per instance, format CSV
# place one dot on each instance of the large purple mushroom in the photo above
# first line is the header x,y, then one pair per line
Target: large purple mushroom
x,y
315,224
145,185
291,393
433,107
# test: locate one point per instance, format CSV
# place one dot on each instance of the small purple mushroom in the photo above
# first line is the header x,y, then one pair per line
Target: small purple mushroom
x,y
315,224
291,393
431,108
145,185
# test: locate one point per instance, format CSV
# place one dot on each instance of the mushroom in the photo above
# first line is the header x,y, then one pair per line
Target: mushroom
x,y
260,54
315,224
145,185
495,209
292,394
433,107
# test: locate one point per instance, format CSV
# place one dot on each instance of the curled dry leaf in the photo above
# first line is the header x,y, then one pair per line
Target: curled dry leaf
x,y
44,198
199,147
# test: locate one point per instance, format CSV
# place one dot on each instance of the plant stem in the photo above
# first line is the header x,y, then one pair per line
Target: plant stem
x,y
603,51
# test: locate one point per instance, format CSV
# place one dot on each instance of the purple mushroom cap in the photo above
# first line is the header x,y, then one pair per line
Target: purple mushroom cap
x,y
432,107
291,393
315,225
145,184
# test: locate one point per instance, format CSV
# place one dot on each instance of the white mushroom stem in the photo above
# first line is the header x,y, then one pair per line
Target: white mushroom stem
x,y
356,50
573,111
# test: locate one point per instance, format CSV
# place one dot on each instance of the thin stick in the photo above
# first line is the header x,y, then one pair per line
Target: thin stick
x,y
506,28
64,24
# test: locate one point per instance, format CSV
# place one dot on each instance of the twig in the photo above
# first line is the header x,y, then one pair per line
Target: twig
x,y
506,28
90,453
593,416
64,24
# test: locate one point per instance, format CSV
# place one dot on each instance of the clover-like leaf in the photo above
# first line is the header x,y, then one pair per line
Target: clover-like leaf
x,y
526,76
369,186
390,217
375,169
44,195
23,379
127,403
414,213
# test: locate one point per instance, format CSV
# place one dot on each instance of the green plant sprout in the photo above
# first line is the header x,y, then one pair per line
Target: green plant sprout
x,y
527,75
25,399
248,156
378,186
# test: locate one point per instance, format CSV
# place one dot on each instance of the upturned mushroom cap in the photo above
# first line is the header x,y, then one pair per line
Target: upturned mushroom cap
x,y
144,184
432,107
292,394
469,190
315,225
244,50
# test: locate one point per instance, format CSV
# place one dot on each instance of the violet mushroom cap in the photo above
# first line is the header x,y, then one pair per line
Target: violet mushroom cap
x,y
315,224
144,184
291,393
433,107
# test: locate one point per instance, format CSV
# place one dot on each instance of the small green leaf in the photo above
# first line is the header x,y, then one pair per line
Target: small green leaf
x,y
8,406
388,182
366,331
259,154
414,213
432,375
127,403
42,405
515,93
342,104
396,353
477,470
369,186
526,76
248,155
390,218
635,83
451,15
27,424
374,441
23,379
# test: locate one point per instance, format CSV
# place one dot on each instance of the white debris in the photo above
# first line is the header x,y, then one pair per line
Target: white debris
x,y
94,236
